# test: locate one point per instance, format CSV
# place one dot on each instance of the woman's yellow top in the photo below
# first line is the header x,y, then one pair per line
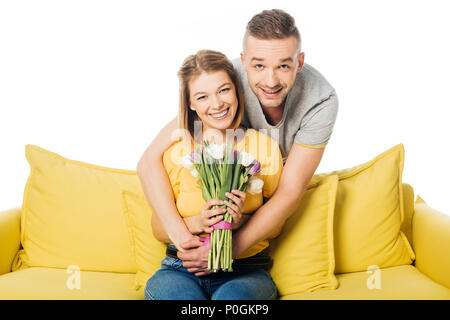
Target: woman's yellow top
x,y
187,192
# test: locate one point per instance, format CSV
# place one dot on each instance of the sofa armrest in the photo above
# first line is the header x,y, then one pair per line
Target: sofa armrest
x,y
9,238
431,242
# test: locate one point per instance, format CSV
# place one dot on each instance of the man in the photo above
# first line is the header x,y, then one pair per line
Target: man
x,y
284,96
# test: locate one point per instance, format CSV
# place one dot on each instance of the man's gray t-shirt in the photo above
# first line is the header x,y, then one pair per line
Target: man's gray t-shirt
x,y
309,113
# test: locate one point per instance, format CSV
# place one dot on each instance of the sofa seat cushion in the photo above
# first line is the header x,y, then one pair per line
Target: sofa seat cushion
x,y
396,283
53,284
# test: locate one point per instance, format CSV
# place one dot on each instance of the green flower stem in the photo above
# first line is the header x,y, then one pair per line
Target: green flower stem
x,y
228,250
219,247
209,259
213,246
220,254
229,247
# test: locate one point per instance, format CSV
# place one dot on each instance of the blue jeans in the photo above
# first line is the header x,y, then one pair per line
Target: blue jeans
x,y
174,282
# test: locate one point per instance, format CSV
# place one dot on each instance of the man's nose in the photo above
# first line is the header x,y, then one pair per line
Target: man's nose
x,y
272,80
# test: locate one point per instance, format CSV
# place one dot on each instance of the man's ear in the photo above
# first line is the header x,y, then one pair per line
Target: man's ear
x,y
243,60
301,61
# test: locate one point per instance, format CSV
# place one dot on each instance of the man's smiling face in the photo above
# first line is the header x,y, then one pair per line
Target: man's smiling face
x,y
271,67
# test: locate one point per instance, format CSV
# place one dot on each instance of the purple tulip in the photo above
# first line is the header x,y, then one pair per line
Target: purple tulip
x,y
256,167
195,157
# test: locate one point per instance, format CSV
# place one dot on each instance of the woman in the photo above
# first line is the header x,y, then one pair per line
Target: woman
x,y
211,107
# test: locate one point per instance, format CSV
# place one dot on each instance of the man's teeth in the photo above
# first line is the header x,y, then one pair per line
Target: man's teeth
x,y
275,91
219,115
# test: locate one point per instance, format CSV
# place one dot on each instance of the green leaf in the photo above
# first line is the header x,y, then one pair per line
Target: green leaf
x,y
237,173
226,182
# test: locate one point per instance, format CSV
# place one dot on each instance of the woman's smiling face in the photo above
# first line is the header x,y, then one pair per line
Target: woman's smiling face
x,y
213,97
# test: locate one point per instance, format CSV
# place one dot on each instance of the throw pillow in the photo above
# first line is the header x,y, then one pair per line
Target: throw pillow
x,y
72,215
148,251
303,254
369,213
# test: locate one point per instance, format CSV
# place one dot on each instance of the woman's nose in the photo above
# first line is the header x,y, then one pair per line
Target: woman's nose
x,y
216,102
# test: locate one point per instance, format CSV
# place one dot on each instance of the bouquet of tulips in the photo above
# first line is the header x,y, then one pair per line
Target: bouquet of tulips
x,y
220,169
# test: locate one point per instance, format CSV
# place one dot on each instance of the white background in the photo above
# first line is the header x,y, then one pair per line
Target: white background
x,y
96,80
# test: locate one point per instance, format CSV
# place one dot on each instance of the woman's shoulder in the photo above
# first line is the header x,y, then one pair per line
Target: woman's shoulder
x,y
173,155
177,146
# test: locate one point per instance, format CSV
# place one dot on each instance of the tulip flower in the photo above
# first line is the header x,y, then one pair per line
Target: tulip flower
x,y
246,159
194,157
216,150
187,162
256,167
255,185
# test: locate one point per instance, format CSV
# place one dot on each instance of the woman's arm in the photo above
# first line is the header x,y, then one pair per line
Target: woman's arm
x,y
157,188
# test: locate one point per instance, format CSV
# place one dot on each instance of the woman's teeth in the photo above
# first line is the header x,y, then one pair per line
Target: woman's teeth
x,y
219,115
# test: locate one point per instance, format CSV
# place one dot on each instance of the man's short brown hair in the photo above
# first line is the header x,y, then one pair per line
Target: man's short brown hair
x,y
272,24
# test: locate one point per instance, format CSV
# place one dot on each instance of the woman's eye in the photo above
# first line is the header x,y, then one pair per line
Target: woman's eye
x,y
201,97
225,90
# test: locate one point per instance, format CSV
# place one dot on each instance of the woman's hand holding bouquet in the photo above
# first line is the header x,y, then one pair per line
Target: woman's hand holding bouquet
x,y
236,207
208,217
203,222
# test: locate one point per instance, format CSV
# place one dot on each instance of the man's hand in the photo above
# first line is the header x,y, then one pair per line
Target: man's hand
x,y
195,258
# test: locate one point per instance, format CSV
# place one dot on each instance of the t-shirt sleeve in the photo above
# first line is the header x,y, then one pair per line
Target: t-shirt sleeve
x,y
317,124
173,169
271,170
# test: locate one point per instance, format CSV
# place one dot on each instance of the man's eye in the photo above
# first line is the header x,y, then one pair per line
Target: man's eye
x,y
258,66
284,66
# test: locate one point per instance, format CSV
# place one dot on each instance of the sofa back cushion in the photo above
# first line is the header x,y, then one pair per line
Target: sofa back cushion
x,y
369,214
72,215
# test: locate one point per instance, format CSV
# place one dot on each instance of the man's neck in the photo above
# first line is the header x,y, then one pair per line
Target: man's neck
x,y
273,114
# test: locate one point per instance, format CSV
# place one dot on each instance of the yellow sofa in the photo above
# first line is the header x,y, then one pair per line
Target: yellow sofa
x,y
427,230
83,232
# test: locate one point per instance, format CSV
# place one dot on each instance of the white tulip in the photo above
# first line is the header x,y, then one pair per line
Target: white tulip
x,y
216,150
246,158
186,162
255,185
